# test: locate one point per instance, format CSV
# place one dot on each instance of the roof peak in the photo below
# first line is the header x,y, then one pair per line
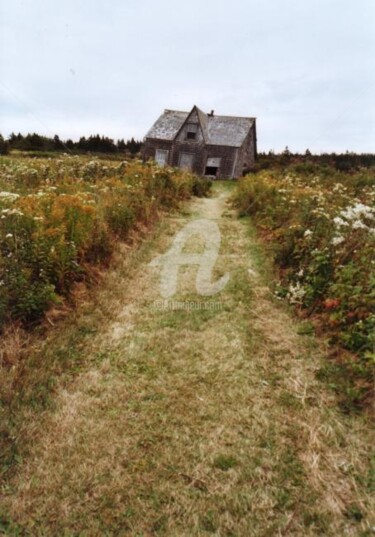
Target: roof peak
x,y
207,114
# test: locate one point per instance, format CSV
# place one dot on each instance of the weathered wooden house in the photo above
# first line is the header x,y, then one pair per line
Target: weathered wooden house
x,y
207,144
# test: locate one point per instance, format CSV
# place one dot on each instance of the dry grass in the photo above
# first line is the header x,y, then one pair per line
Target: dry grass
x,y
192,422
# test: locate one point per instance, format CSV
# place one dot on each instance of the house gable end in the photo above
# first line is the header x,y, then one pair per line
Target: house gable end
x,y
192,129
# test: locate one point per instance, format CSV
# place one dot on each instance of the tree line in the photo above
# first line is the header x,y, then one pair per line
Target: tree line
x,y
94,143
102,144
340,161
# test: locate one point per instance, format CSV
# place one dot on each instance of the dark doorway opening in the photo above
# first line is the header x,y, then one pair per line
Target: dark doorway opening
x,y
211,170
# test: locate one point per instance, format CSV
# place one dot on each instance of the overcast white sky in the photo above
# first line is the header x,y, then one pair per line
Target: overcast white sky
x,y
304,68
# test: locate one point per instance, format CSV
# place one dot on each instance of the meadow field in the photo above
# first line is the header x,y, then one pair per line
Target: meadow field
x,y
60,217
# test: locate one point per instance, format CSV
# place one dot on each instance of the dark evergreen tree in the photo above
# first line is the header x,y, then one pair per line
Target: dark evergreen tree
x,y
121,146
58,145
4,146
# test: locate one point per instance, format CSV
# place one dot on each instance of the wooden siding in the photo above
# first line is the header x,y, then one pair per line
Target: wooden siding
x,y
150,146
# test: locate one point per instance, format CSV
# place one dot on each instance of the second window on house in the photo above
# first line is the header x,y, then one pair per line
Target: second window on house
x,y
161,157
191,131
212,166
185,161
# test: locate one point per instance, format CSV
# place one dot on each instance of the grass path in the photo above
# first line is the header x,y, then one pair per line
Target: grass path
x,y
189,423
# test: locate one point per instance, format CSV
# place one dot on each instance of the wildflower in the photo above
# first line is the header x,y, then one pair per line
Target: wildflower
x,y
296,293
15,212
8,236
9,196
331,303
340,222
337,240
307,233
358,224
337,186
358,210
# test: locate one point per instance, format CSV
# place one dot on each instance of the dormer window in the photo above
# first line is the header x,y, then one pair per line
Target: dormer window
x,y
191,131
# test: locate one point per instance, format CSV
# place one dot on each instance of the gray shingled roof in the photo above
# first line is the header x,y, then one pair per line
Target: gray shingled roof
x,y
217,130
227,130
168,125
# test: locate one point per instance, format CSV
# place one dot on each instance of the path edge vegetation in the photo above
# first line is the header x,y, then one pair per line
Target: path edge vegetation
x,y
319,233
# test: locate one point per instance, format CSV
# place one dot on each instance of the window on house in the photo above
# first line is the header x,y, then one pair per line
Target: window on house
x,y
212,166
191,131
186,161
161,157
211,170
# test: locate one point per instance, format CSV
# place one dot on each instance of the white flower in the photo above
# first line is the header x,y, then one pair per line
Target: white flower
x,y
339,222
8,236
337,240
358,224
307,233
337,186
358,210
296,293
15,212
9,196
